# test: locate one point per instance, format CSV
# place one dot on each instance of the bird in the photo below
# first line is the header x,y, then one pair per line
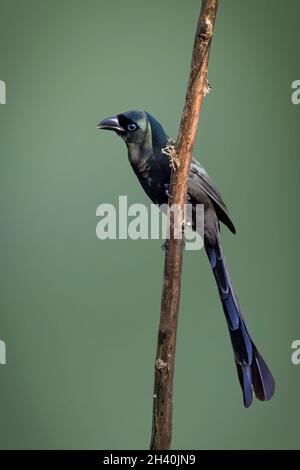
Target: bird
x,y
145,139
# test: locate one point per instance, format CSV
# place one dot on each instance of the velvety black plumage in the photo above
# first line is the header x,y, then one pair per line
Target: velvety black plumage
x,y
145,138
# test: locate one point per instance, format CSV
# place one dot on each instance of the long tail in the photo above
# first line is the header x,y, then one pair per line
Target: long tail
x,y
254,374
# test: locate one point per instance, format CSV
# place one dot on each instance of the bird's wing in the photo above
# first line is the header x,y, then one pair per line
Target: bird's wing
x,y
200,180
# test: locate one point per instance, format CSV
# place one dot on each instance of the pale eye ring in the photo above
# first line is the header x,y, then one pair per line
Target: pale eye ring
x,y
131,127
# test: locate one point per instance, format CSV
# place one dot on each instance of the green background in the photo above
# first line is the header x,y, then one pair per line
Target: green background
x,y
79,316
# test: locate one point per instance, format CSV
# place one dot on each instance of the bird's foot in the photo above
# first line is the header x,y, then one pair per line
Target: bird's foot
x,y
164,247
167,190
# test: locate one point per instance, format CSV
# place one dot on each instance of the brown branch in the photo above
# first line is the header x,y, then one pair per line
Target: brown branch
x,y
181,160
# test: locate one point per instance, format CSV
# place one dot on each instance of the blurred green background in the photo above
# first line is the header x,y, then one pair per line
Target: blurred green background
x,y
79,316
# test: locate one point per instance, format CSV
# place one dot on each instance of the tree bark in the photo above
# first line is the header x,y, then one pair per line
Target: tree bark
x,y
181,159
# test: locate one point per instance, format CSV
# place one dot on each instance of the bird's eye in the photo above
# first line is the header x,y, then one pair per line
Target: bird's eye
x,y
131,127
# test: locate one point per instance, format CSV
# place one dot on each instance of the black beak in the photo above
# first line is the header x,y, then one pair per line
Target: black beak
x,y
111,124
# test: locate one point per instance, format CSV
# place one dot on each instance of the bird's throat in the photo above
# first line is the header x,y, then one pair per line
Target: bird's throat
x,y
140,157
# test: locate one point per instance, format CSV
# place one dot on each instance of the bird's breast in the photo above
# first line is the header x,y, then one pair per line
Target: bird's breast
x,y
154,176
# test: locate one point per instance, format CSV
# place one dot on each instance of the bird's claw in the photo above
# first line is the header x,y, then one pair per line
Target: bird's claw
x,y
167,190
164,247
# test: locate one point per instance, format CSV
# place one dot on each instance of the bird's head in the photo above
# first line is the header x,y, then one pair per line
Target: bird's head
x,y
136,127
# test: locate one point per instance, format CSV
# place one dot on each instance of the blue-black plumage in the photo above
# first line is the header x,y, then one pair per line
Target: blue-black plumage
x,y
145,138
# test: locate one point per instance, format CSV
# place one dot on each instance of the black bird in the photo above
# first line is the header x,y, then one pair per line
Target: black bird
x,y
145,138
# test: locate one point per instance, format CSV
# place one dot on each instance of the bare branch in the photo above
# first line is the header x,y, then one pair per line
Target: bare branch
x,y
181,157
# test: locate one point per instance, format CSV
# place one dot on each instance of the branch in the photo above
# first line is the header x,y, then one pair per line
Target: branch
x,y
181,161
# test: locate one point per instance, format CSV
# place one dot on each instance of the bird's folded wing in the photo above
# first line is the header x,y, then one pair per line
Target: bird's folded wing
x,y
200,181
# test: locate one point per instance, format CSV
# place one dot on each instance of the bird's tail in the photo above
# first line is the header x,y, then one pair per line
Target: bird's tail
x,y
254,374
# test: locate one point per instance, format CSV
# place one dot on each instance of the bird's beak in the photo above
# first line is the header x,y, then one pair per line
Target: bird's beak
x,y
111,124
